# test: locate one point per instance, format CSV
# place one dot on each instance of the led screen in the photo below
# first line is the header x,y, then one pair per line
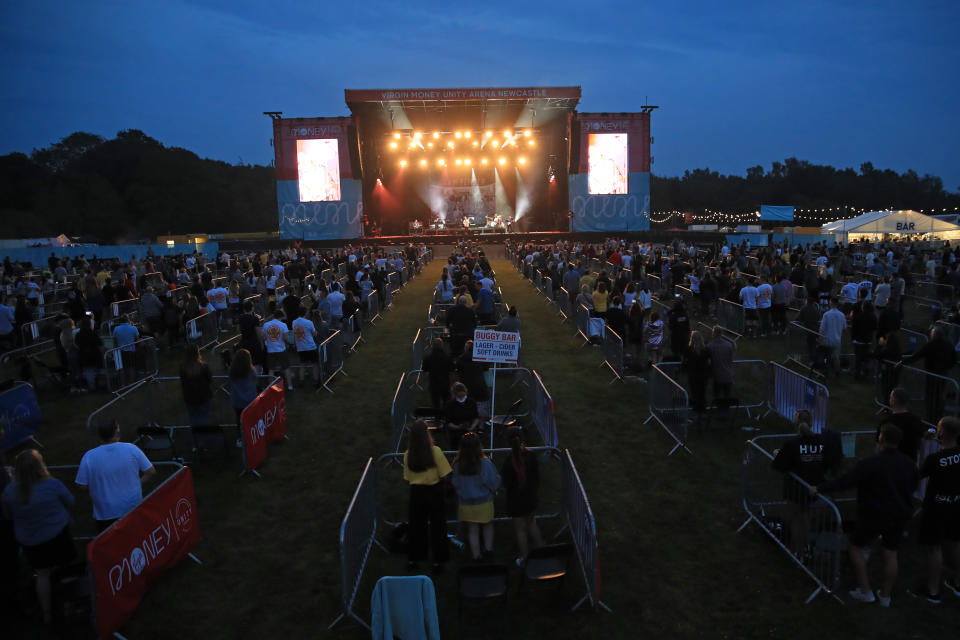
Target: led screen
x,y
607,160
318,170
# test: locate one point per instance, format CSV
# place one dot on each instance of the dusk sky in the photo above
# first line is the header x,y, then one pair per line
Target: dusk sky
x,y
738,83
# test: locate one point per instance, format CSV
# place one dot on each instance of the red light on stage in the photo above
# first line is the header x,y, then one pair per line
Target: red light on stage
x,y
379,182
553,178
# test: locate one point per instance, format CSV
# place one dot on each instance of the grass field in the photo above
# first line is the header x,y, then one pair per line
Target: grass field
x,y
672,562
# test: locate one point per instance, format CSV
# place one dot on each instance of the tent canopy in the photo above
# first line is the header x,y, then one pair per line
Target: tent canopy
x,y
894,222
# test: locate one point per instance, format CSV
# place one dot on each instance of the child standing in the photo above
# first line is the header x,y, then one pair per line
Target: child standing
x,y
476,481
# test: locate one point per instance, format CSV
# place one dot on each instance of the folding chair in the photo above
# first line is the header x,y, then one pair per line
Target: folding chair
x,y
486,582
152,439
546,564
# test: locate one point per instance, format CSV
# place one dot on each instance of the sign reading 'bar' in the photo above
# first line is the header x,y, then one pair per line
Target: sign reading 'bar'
x,y
496,346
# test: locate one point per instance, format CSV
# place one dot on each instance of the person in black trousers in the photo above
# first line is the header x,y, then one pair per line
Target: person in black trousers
x,y
426,469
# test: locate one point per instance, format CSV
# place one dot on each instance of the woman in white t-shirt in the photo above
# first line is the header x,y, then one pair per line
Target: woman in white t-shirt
x,y
444,288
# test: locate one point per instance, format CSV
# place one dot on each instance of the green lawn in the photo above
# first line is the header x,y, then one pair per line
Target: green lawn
x,y
672,562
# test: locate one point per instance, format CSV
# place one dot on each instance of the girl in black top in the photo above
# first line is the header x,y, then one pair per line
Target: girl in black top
x,y
520,475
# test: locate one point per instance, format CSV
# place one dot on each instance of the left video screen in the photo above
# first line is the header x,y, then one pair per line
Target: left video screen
x,y
318,169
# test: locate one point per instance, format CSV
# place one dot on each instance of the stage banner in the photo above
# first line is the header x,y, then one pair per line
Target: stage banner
x,y
264,421
318,197
609,184
19,415
133,553
452,202
771,212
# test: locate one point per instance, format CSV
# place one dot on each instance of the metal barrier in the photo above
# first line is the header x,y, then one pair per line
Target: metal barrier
x,y
613,353
750,382
934,290
813,528
910,340
654,283
373,307
127,365
387,297
202,330
129,307
259,302
39,330
583,324
931,396
791,392
564,304
669,406
350,330
401,409
919,313
327,276
802,344
730,316
951,329
358,533
583,531
422,341
437,312
540,403
331,358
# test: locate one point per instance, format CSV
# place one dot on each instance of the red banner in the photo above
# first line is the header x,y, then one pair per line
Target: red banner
x,y
264,421
129,556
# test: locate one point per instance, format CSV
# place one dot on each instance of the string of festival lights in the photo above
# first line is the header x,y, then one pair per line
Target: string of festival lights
x,y
815,214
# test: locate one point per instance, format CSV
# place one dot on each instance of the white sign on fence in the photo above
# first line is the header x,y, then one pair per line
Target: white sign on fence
x,y
496,346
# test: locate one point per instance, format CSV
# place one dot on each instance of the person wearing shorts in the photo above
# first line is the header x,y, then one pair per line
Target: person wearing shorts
x,y
940,519
275,343
885,483
751,319
304,335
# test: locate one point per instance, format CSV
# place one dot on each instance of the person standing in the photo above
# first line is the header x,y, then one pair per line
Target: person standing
x,y
476,481
196,382
305,335
114,473
39,506
832,325
940,519
697,364
275,341
885,483
751,320
424,468
521,479
721,360
438,365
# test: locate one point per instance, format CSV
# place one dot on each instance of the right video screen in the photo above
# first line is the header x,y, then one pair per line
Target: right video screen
x,y
607,163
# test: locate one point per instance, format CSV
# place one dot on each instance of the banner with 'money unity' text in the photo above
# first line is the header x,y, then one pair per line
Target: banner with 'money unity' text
x,y
264,421
133,553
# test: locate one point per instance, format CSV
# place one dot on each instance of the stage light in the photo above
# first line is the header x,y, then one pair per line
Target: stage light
x,y
413,145
476,144
450,144
417,135
441,162
393,145
423,163
459,135
502,161
379,182
466,134
467,162
531,143
459,161
526,133
396,135
488,133
494,143
436,135
483,161
506,134
403,163
522,160
430,144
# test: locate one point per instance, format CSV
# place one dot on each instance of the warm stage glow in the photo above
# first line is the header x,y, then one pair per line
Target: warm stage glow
x,y
403,163
467,162
396,135
502,161
393,145
459,135
494,143
522,160
430,144
527,133
466,134
483,161
417,135
506,134
423,163
476,144
441,162
488,133
459,161
436,135
532,143
450,144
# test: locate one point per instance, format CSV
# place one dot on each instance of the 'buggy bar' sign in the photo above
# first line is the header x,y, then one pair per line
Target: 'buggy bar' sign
x,y
496,346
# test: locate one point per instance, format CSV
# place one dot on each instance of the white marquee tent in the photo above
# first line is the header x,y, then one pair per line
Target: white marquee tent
x,y
891,225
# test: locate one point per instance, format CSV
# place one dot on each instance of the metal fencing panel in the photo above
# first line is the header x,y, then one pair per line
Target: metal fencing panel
x,y
791,392
730,316
202,330
373,306
931,396
750,382
401,409
358,533
583,531
802,344
331,358
350,331
540,403
919,313
129,308
39,330
808,530
613,353
583,323
669,405
128,365
564,304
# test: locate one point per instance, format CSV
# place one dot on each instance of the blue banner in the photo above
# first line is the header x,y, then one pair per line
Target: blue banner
x,y
771,212
320,220
627,212
19,414
37,256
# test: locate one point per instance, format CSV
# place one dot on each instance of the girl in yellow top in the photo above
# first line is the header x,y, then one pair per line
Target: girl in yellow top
x,y
424,466
600,300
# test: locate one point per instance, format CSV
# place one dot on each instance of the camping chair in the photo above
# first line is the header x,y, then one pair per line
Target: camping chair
x,y
485,582
154,438
546,564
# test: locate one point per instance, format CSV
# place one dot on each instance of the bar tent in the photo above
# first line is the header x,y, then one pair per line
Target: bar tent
x,y
880,225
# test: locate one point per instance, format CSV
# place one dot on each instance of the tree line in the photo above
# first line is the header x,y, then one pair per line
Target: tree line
x,y
132,188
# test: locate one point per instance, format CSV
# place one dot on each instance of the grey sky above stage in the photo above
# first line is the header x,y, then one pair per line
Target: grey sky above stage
x,y
739,83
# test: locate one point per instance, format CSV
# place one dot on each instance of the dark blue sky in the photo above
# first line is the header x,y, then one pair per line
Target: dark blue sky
x,y
738,83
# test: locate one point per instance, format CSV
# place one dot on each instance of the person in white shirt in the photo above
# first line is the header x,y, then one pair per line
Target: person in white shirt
x,y
304,336
335,298
881,295
848,293
218,298
832,325
275,340
114,473
748,295
764,301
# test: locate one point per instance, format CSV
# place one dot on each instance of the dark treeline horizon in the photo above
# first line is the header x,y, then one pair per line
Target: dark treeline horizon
x,y
132,188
